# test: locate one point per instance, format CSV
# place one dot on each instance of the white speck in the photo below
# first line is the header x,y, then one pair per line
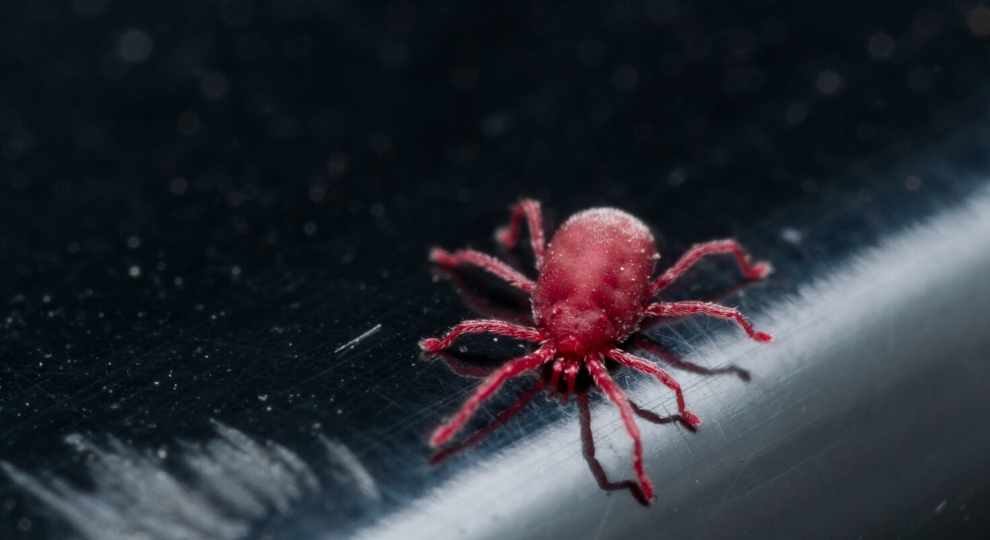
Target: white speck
x,y
791,235
235,271
676,177
828,82
134,46
262,397
496,124
881,46
134,271
178,185
941,506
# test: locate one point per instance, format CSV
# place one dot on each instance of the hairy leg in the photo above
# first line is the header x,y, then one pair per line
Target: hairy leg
x,y
558,369
697,252
681,309
488,387
639,364
499,421
485,262
481,326
571,375
508,236
615,394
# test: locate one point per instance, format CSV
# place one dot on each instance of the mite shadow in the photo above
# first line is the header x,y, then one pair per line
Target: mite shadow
x,y
491,302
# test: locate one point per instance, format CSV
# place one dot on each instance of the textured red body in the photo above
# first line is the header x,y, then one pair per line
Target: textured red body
x,y
593,291
595,281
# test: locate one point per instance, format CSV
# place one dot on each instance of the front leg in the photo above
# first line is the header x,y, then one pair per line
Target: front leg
x,y
480,326
488,387
484,261
508,236
681,309
697,252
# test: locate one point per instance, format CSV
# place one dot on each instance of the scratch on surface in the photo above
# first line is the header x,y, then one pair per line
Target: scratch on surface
x,y
713,396
808,459
352,343
605,514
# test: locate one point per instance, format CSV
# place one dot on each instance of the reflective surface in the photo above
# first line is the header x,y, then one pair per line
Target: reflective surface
x,y
214,276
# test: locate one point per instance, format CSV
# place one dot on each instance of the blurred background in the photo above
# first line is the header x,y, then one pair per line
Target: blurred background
x,y
203,204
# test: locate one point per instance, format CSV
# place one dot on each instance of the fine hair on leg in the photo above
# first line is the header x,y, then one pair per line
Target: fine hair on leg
x,y
588,449
690,307
499,421
485,262
697,252
508,235
640,364
481,326
487,388
615,394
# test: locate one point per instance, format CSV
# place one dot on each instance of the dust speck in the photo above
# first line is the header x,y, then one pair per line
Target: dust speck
x,y
941,506
134,46
791,235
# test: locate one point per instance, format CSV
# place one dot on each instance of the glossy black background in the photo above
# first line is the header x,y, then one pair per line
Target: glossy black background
x,y
186,230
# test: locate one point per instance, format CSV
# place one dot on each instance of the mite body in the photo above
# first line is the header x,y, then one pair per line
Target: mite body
x,y
593,291
595,281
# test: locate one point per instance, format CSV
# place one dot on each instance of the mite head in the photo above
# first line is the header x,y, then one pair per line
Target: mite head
x,y
578,330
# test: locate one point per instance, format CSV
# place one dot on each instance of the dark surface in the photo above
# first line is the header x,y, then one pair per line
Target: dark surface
x,y
190,232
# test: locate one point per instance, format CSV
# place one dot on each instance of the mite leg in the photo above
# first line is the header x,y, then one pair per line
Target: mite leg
x,y
615,394
508,236
697,252
558,369
640,364
571,375
480,326
588,447
681,309
500,420
485,262
488,387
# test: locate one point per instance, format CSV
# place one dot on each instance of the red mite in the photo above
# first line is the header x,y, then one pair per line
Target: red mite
x,y
593,291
